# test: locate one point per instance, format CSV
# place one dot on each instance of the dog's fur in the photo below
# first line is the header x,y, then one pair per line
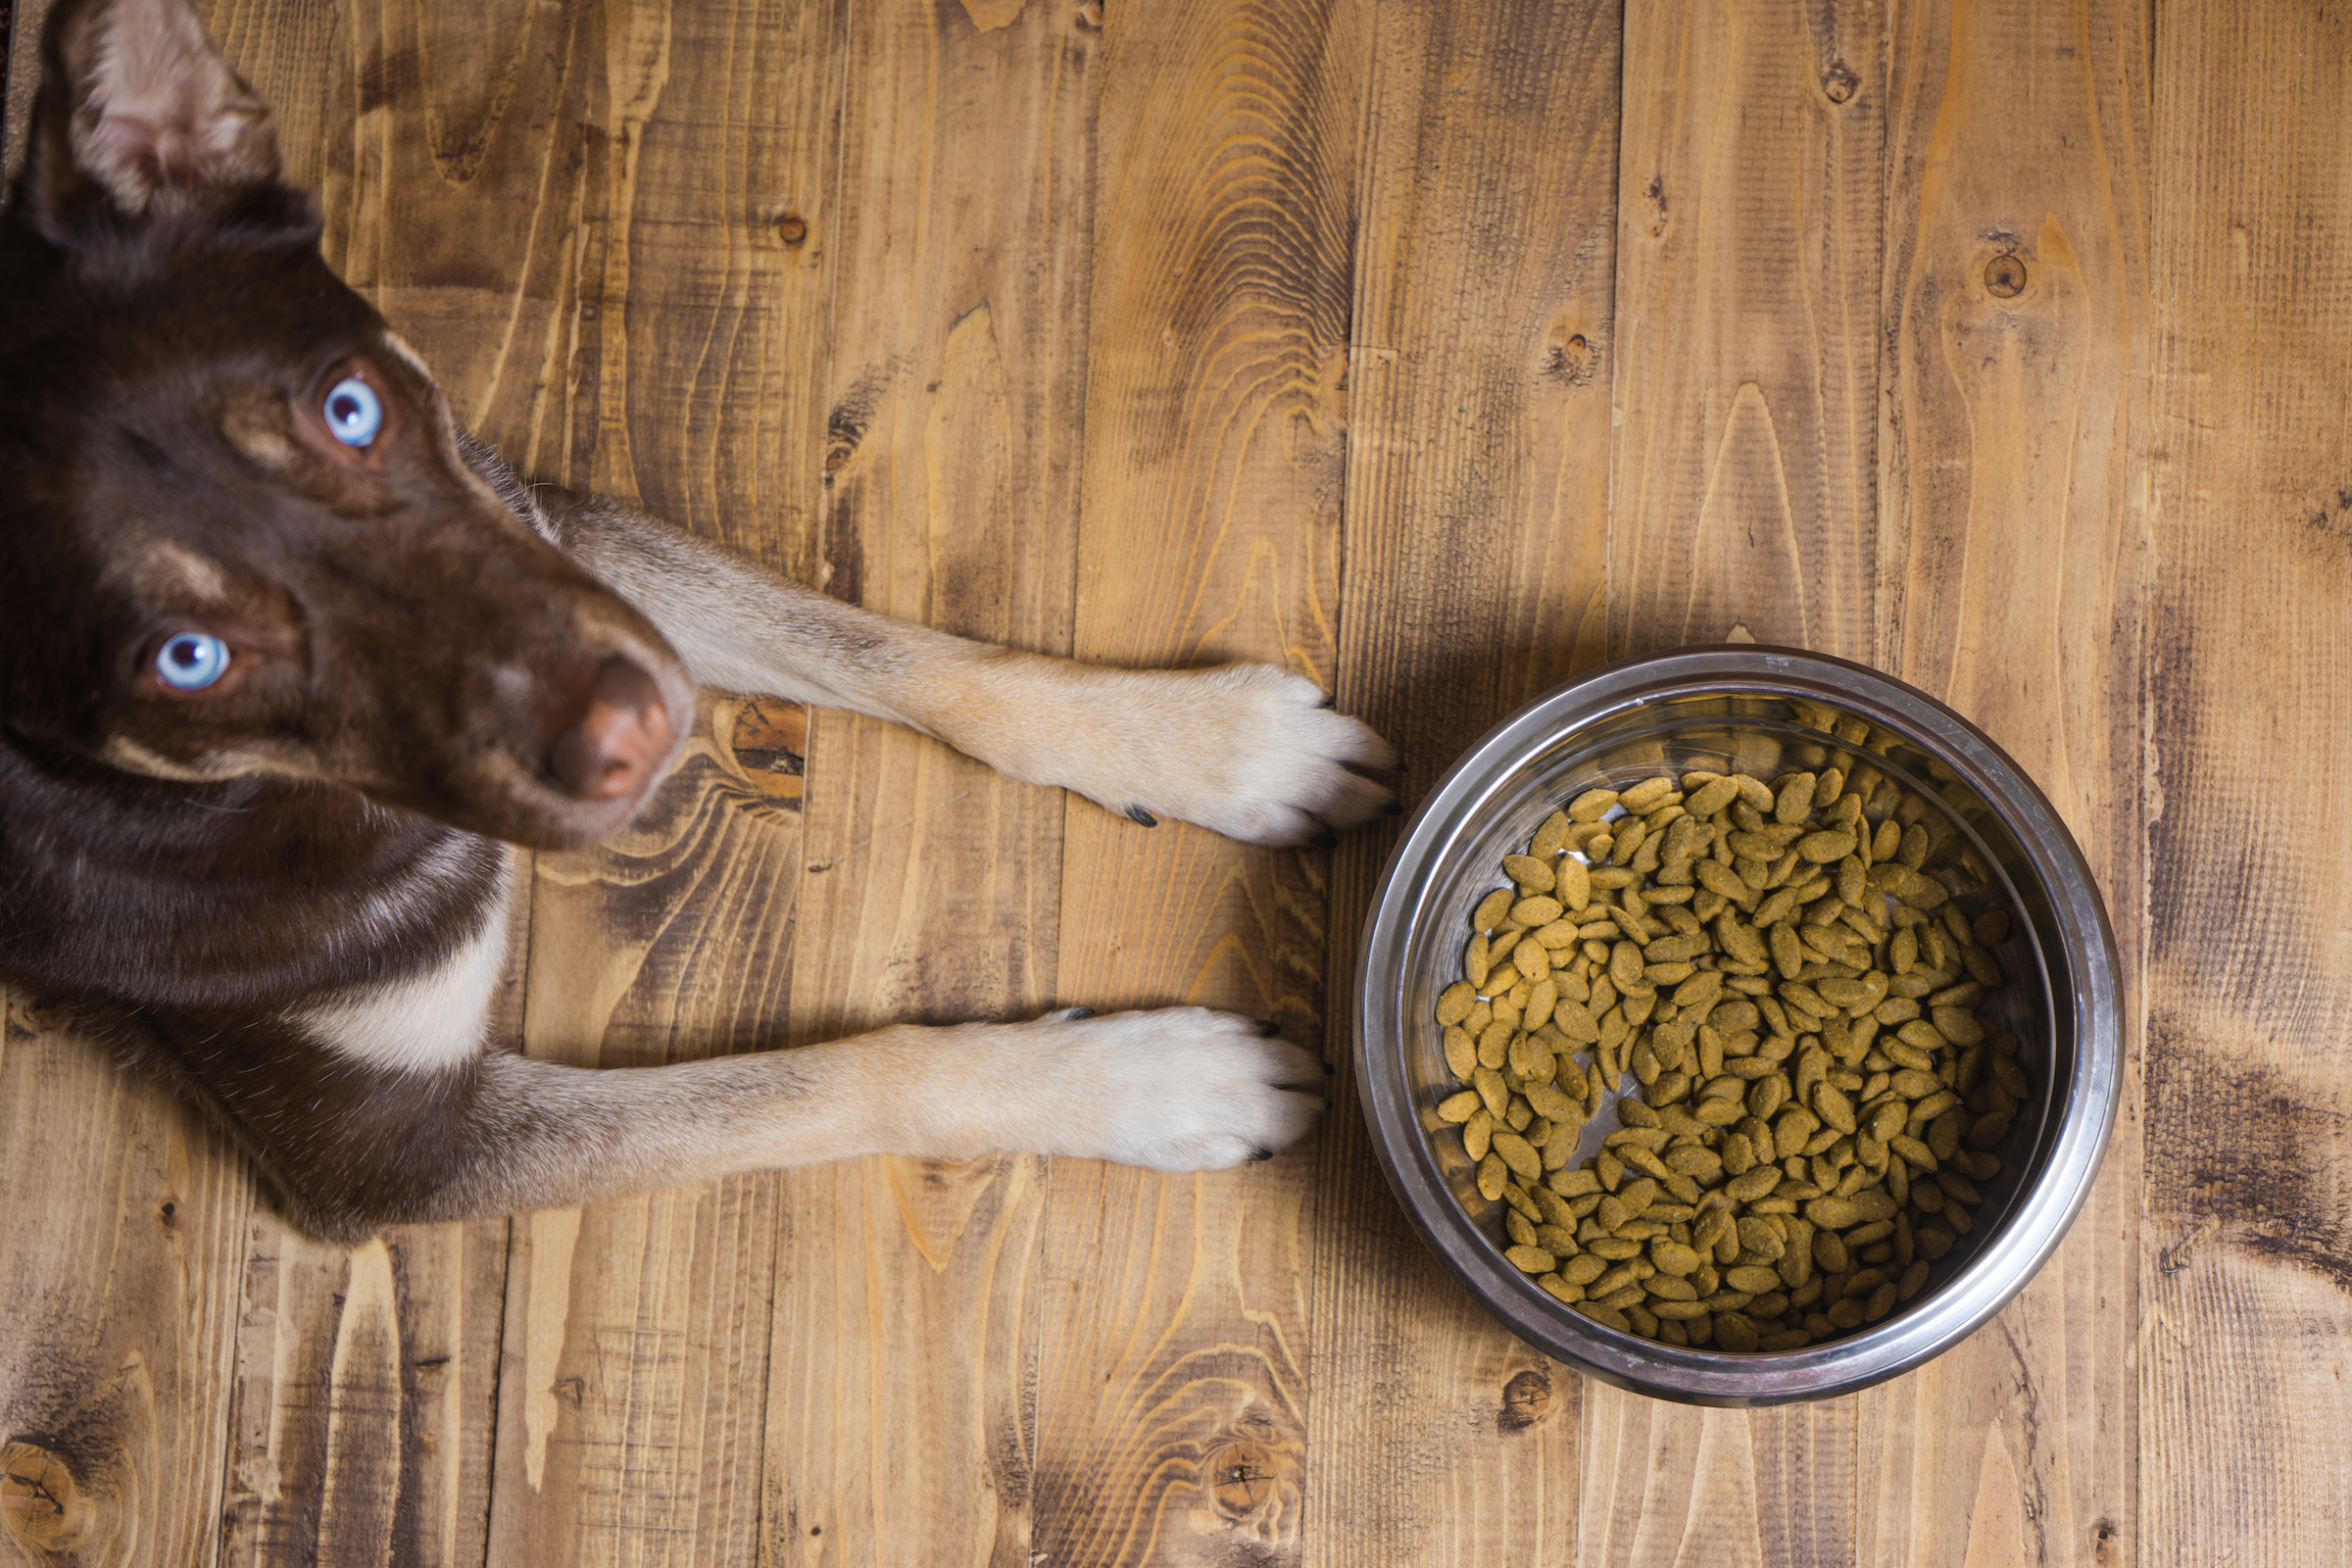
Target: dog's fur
x,y
288,888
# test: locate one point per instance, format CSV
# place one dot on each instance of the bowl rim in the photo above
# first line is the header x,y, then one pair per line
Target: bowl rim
x,y
2039,1217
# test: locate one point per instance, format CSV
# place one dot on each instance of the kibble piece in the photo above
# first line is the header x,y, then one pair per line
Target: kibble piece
x,y
1525,1164
1531,874
1592,806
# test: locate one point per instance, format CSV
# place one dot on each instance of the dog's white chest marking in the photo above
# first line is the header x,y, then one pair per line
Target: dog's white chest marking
x,y
427,1023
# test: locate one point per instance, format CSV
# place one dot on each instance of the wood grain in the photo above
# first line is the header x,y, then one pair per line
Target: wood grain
x,y
952,364
2013,585
116,1338
1171,1378
635,1347
1476,561
2243,1414
366,1384
1750,226
22,80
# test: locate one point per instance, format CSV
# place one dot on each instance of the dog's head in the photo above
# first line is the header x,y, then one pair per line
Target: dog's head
x,y
237,533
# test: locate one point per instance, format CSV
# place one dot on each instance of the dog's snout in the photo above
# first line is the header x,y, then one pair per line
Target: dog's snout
x,y
611,750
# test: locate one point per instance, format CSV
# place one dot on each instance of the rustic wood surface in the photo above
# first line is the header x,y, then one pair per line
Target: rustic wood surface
x,y
1436,351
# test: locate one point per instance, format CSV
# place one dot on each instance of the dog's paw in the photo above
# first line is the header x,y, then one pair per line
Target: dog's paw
x,y
1251,751
1175,1089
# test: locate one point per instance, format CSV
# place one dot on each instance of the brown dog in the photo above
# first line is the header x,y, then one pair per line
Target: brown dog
x,y
286,653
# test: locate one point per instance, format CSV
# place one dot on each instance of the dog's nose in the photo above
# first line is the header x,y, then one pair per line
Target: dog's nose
x,y
610,751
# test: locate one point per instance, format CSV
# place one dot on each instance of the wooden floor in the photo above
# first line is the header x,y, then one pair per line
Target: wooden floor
x,y
1435,350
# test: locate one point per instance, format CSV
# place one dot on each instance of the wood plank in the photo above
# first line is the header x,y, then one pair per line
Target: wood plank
x,y
23,78
1749,234
115,1343
1171,1379
2013,585
365,1390
636,1339
952,364
1744,494
1477,548
2244,1413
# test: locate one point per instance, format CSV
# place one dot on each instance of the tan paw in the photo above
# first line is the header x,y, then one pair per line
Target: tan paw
x,y
1177,1088
1249,751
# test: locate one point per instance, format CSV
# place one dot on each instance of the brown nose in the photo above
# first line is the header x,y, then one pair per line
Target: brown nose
x,y
610,751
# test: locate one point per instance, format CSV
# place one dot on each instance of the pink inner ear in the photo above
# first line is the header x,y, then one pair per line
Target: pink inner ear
x,y
162,106
151,155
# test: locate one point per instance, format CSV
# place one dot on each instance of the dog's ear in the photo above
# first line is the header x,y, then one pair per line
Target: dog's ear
x,y
138,108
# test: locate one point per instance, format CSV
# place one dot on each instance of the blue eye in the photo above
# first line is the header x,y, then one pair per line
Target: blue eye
x,y
191,660
355,414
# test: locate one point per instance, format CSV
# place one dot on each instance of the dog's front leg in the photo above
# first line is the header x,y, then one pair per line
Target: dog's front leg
x,y
1248,749
356,1146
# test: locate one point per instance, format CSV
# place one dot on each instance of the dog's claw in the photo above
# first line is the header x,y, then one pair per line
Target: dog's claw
x,y
1391,807
1268,1027
1263,1154
1137,813
1073,1014
1324,839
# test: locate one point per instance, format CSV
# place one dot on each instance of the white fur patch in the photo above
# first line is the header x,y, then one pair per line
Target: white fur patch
x,y
429,1023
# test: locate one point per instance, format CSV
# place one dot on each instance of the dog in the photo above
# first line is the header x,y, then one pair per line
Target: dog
x,y
290,662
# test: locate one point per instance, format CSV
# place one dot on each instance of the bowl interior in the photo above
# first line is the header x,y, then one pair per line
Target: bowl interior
x,y
1765,734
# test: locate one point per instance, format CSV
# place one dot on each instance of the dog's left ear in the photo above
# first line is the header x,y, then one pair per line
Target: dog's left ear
x,y
137,111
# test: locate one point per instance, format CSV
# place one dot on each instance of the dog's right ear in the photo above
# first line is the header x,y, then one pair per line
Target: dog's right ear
x,y
138,112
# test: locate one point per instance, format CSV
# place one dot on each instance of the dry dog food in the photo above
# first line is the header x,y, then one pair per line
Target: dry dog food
x,y
1784,968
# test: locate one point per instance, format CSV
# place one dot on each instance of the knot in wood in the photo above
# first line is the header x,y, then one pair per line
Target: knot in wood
x,y
41,1505
792,229
2005,277
1241,1476
1526,1400
1838,83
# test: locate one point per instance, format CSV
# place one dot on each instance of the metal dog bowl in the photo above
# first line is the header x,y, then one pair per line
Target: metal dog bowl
x,y
1766,709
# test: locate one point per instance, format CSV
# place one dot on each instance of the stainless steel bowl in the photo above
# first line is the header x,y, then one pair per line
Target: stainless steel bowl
x,y
1767,709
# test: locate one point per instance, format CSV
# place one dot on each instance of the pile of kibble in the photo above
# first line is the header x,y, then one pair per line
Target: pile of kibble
x,y
1786,969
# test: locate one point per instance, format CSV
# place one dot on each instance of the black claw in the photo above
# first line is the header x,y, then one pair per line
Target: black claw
x,y
1391,807
1263,1154
1324,839
1267,1026
1329,1070
1329,700
1139,814
1076,1014
1327,1104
